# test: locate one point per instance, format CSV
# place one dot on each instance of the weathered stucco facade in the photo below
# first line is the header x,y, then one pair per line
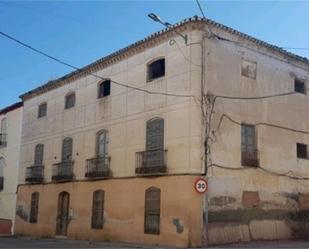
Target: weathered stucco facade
x,y
221,70
10,132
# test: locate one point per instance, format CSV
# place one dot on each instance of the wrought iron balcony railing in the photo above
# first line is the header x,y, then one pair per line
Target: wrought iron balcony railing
x,y
250,158
63,171
1,182
151,162
98,167
3,140
35,173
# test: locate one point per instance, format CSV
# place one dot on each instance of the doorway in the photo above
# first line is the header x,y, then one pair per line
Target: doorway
x,y
63,214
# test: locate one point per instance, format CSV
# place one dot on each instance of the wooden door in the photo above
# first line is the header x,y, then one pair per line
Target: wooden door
x,y
63,213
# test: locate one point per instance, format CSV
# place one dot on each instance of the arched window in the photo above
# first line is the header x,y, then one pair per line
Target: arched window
x,y
102,143
42,110
69,101
38,154
152,210
97,209
67,149
3,132
34,207
2,163
156,69
104,88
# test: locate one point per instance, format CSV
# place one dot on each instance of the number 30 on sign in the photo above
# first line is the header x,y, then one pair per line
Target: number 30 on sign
x,y
201,185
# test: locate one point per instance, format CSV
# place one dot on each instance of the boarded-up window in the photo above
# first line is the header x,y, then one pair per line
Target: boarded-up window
x,y
156,69
155,134
102,143
248,69
69,101
152,210
38,154
97,209
34,207
249,156
299,86
104,89
67,147
302,151
42,110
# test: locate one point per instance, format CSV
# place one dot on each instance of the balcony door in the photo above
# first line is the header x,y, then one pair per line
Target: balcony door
x,y
63,214
154,155
67,144
102,144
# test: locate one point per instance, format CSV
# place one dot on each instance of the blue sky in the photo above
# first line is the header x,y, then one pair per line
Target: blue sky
x,y
80,32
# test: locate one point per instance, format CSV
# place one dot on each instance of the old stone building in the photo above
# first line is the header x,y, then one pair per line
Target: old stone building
x,y
111,152
10,132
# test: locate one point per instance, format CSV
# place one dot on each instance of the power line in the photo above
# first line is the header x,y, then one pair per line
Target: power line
x,y
200,7
257,97
89,73
295,48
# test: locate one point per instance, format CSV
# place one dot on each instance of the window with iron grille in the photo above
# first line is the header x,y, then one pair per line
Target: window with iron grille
x,y
97,218
152,210
104,89
299,86
2,163
302,150
34,207
38,154
249,156
69,101
3,131
42,110
156,69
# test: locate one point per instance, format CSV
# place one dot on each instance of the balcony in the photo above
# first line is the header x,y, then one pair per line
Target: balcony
x,y
1,182
63,171
98,167
250,159
151,162
35,173
3,140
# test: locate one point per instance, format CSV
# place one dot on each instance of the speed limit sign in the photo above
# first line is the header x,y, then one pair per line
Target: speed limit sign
x,y
201,185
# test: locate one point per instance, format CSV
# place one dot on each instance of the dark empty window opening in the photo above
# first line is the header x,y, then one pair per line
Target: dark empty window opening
x,y
104,89
42,110
156,69
302,151
69,101
299,86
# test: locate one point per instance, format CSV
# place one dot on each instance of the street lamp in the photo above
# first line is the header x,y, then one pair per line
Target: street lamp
x,y
156,18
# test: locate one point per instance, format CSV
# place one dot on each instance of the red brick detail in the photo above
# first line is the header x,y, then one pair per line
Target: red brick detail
x,y
250,199
303,201
5,227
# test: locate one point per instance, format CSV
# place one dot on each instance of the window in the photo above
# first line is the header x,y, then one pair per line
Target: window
x,y
156,69
249,156
38,155
34,207
102,143
42,110
69,101
97,209
104,89
152,211
3,131
302,150
155,134
67,145
299,86
2,163
248,69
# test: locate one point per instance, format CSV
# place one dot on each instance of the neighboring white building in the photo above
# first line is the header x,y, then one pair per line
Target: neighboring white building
x,y
10,132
